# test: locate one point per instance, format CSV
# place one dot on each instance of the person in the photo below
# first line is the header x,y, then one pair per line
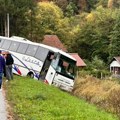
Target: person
x,y
4,54
9,62
2,65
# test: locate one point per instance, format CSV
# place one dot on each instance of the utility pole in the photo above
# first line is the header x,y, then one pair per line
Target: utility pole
x,y
7,26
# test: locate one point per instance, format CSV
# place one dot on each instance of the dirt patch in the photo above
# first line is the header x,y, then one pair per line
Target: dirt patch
x,y
8,107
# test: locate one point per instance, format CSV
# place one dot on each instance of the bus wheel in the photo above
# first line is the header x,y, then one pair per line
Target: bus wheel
x,y
30,74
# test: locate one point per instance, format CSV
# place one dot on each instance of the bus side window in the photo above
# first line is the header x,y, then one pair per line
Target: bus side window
x,y
55,62
41,53
31,50
6,44
14,46
22,48
1,42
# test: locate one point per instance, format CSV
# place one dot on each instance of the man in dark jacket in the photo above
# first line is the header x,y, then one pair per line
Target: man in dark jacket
x,y
2,65
9,62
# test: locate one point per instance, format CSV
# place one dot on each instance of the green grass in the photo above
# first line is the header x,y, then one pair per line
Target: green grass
x,y
34,100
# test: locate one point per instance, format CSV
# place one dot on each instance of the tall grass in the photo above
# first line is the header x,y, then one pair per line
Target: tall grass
x,y
34,100
103,93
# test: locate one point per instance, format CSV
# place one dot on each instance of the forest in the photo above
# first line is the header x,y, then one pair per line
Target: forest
x,y
89,27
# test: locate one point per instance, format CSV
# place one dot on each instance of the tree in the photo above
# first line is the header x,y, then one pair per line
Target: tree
x,y
84,41
6,6
47,16
113,4
17,11
71,9
93,38
115,38
67,30
61,3
102,3
97,67
19,18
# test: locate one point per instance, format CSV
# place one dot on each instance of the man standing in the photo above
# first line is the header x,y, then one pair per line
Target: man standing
x,y
9,62
2,65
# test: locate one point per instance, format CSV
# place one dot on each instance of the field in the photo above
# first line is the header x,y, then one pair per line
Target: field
x,y
33,100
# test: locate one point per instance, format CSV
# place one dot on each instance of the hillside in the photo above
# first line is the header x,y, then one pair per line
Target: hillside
x,y
33,100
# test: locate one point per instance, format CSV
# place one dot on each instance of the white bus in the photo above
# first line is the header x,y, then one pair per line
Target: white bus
x,y
40,61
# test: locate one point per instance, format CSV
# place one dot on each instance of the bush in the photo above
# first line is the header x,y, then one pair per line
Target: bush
x,y
103,93
113,100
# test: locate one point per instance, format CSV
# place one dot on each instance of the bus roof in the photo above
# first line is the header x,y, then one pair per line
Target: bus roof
x,y
23,40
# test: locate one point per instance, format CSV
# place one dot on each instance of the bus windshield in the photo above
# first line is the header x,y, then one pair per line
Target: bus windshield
x,y
66,67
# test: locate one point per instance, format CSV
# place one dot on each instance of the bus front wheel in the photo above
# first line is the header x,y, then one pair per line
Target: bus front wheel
x,y
30,74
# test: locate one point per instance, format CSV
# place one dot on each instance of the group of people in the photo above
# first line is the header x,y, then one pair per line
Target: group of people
x,y
6,61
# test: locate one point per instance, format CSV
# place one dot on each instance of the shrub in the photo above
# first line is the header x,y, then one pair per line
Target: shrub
x,y
103,93
113,100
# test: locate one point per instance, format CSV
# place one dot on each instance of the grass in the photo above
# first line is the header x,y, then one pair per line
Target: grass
x,y
103,93
34,100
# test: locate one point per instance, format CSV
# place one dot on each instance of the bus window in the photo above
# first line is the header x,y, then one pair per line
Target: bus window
x,y
66,67
14,46
1,42
55,60
22,48
6,44
41,53
31,50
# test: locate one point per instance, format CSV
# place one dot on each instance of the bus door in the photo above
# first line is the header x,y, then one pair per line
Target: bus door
x,y
52,69
46,65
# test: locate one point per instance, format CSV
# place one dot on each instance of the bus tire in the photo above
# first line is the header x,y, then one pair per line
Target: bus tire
x,y
30,74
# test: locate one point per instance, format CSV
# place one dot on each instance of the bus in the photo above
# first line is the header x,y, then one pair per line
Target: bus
x,y
41,62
